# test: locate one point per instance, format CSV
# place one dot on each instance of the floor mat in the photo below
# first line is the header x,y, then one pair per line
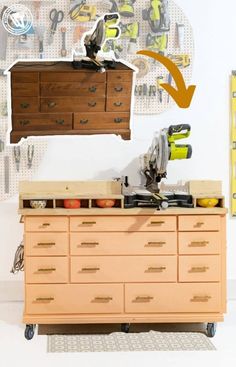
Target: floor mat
x,y
117,342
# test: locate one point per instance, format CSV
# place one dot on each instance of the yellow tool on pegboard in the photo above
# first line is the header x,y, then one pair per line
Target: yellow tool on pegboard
x,y
233,144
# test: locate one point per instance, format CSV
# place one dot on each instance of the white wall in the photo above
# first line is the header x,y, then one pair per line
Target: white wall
x,y
105,157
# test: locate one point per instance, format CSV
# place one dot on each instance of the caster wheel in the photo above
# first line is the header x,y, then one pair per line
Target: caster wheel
x,y
211,329
29,331
125,328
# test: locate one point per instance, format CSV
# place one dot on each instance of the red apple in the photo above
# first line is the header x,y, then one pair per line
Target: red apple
x,y
72,203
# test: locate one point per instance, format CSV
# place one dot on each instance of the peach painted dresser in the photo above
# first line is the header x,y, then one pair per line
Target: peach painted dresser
x,y
117,265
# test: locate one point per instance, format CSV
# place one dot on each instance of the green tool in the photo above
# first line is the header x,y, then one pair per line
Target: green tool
x,y
125,7
130,31
157,15
157,43
179,151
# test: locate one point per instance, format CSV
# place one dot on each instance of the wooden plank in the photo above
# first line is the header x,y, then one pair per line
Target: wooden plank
x,y
201,187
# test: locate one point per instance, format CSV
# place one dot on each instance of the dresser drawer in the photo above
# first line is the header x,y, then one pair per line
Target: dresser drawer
x,y
46,269
73,104
118,89
73,89
25,105
118,104
199,223
46,244
46,224
203,268
119,76
99,121
74,299
162,298
41,121
105,269
199,243
29,77
123,223
128,243
74,76
25,89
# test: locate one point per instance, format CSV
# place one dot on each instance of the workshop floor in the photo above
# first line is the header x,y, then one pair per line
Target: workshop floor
x,y
15,350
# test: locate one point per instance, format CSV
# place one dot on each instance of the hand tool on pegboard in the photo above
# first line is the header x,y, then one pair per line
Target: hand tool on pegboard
x,y
180,60
3,38
180,34
160,89
17,157
40,30
63,47
157,16
131,32
124,7
169,81
6,174
30,155
56,17
233,144
82,12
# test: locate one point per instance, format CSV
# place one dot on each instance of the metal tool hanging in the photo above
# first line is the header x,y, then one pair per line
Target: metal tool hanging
x,y
56,17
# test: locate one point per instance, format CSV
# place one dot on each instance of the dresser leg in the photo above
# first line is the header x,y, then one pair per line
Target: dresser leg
x,y
125,328
29,331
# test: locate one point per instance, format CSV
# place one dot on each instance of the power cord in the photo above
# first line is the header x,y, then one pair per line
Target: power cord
x,y
18,263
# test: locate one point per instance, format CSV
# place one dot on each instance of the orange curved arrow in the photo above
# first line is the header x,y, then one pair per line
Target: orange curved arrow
x,y
182,95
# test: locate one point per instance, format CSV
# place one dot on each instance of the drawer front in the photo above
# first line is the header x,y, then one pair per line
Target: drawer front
x,y
119,76
199,243
25,89
199,223
74,298
25,105
73,89
42,121
162,298
119,89
75,76
203,268
46,270
105,269
46,224
46,244
123,224
108,120
73,104
129,243
29,77
118,104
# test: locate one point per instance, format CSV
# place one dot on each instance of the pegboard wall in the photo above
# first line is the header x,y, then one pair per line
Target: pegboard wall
x,y
22,48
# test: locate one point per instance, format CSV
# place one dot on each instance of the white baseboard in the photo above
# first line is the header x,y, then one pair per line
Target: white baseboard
x,y
14,291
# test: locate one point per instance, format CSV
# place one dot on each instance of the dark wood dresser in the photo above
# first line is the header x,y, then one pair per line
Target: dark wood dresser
x,y
55,99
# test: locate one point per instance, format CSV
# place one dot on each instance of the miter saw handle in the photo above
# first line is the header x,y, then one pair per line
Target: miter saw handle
x,y
179,131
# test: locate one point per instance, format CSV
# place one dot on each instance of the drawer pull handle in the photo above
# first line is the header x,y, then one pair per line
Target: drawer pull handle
x,y
199,224
157,269
155,244
198,244
46,224
46,244
47,269
60,122
103,299
51,104
118,104
24,122
88,244
48,299
90,269
24,105
83,122
118,89
92,89
92,104
158,222
200,299
118,120
89,223
143,299
198,269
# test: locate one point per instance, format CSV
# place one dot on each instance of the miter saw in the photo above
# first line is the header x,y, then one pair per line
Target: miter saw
x,y
105,29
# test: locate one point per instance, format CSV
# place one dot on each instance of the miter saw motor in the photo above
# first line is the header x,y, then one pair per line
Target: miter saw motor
x,y
157,15
106,28
124,7
162,150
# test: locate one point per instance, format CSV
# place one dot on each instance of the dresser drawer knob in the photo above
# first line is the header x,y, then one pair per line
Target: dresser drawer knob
x,y
46,269
156,269
44,299
89,244
24,122
88,223
24,105
119,89
118,104
92,104
155,244
83,122
198,269
200,299
92,89
90,269
157,223
103,299
46,244
51,104
118,120
143,299
198,244
60,122
46,224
